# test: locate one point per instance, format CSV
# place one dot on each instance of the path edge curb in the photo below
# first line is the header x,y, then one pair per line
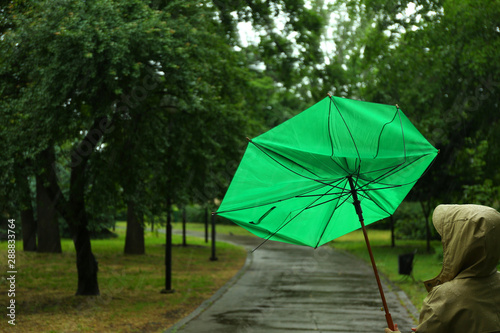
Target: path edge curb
x,y
218,294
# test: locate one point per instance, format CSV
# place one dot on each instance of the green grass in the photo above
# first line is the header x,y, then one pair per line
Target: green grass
x,y
130,285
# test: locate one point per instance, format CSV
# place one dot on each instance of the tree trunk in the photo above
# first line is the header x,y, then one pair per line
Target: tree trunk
x,y
28,225
134,239
28,222
85,262
73,211
427,210
49,239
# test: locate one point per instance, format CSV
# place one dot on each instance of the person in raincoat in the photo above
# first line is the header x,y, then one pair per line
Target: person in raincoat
x,y
465,296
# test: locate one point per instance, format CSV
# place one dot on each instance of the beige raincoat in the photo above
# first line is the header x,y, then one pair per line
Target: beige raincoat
x,y
465,296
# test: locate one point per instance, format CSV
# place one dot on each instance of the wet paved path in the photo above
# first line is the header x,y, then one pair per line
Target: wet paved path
x,y
289,288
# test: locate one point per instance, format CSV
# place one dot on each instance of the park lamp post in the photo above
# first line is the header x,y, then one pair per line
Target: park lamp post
x,y
168,252
213,257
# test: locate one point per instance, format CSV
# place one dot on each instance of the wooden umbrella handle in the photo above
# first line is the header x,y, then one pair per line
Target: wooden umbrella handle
x,y
388,316
357,206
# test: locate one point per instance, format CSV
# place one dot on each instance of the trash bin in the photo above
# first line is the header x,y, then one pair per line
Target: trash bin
x,y
406,263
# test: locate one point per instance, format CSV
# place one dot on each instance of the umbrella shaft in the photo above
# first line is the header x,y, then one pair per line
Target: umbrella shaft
x,y
375,271
357,206
357,203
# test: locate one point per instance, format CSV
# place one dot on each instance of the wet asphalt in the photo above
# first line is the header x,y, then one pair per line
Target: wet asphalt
x,y
289,288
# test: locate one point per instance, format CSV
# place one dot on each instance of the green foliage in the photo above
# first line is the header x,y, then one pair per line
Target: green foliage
x,y
172,90
439,64
410,223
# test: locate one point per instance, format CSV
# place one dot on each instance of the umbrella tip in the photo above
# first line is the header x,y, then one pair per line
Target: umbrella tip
x,y
330,94
248,139
397,106
214,213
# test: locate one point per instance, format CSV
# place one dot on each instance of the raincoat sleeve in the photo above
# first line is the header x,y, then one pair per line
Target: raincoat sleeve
x,y
431,320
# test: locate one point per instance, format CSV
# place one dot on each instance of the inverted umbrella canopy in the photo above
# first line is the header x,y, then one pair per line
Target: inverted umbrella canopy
x,y
297,182
292,184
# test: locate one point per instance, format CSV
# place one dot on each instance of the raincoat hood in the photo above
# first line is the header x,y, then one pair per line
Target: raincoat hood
x,y
471,242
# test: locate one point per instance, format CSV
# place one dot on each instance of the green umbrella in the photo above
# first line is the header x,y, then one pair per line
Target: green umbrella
x,y
296,182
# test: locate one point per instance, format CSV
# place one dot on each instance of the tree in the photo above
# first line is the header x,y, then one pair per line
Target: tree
x,y
47,224
115,82
134,240
76,58
438,63
28,222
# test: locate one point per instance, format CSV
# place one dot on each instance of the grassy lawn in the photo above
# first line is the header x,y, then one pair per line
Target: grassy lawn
x,y
130,286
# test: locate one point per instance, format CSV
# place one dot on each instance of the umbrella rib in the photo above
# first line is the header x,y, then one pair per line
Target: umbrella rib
x,y
346,198
382,131
329,200
382,169
330,136
315,195
348,129
397,113
363,191
329,126
337,181
358,172
331,215
264,150
285,223
261,148
402,136
402,130
393,170
392,167
281,200
381,188
368,197
339,165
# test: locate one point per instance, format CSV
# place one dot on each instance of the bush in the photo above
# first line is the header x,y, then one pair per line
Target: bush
x,y
410,223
